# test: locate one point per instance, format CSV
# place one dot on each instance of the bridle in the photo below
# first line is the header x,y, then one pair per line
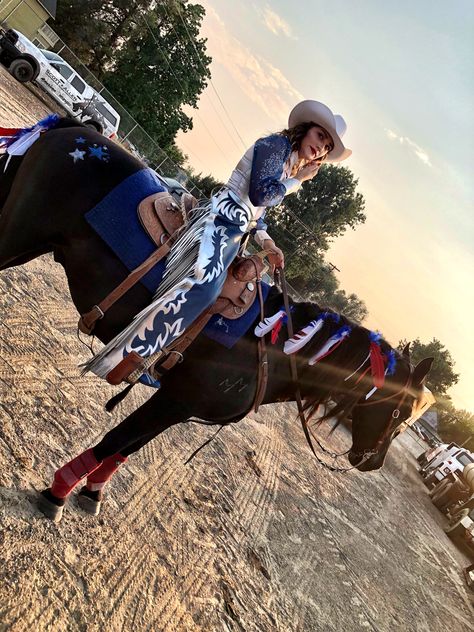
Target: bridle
x,y
309,434
403,392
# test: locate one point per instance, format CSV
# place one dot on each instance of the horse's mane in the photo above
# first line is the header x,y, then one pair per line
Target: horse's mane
x,y
326,381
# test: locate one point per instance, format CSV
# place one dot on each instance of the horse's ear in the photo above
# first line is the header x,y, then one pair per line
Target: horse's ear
x,y
406,351
421,371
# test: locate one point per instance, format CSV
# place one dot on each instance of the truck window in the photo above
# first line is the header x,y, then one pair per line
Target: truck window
x,y
64,71
100,107
78,84
465,459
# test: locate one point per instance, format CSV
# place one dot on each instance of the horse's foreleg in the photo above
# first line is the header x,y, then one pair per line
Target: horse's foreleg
x,y
103,460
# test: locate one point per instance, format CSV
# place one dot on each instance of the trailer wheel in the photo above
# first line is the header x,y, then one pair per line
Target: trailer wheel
x,y
456,529
444,497
22,70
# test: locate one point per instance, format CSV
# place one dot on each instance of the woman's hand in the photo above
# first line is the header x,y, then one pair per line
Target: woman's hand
x,y
275,256
308,171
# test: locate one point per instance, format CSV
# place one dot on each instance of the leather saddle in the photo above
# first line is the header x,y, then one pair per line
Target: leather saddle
x,y
162,217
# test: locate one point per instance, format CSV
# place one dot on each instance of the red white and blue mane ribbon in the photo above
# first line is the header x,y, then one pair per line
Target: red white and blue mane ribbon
x,y
303,336
330,344
272,323
380,364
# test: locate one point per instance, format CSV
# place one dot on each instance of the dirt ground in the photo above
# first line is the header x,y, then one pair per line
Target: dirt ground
x,y
251,536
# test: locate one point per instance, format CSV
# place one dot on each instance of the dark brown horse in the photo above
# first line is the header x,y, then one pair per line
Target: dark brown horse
x,y
44,212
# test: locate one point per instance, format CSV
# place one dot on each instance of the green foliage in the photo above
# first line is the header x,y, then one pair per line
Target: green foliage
x,y
161,69
327,206
442,375
149,55
453,424
94,30
206,184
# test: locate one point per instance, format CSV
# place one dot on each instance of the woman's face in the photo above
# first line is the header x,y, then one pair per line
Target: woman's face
x,y
315,145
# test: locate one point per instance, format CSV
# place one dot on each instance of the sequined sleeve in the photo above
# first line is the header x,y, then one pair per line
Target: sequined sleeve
x,y
270,155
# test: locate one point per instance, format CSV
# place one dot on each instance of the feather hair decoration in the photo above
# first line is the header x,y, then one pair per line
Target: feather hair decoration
x,y
391,362
303,336
330,344
267,324
377,364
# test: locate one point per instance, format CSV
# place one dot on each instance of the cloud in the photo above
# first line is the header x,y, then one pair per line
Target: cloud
x,y
417,150
261,81
276,24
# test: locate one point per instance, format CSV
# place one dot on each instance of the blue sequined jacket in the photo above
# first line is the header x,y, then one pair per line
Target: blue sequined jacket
x,y
260,178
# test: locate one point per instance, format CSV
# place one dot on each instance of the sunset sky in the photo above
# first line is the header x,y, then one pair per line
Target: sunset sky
x,y
401,75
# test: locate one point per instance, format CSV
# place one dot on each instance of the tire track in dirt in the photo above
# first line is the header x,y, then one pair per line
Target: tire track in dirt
x,y
125,582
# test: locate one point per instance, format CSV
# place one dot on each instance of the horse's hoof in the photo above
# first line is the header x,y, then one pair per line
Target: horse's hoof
x,y
51,506
89,502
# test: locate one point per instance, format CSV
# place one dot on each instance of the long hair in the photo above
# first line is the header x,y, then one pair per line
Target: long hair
x,y
296,134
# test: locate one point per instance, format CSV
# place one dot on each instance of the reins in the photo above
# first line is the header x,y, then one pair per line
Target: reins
x,y
294,372
299,403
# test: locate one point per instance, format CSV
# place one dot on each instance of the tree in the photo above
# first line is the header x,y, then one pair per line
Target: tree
x,y
206,184
304,226
441,376
306,223
149,55
453,425
326,205
162,68
95,39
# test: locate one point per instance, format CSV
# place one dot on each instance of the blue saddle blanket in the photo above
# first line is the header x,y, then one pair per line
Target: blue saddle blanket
x,y
116,221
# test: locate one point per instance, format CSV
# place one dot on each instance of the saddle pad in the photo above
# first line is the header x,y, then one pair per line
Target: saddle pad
x,y
115,220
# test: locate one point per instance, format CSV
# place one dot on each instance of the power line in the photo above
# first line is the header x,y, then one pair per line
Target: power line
x,y
182,87
244,144
199,59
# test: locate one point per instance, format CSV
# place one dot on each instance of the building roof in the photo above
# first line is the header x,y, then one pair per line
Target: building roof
x,y
50,6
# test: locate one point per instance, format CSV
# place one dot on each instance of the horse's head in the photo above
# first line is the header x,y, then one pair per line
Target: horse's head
x,y
360,376
380,418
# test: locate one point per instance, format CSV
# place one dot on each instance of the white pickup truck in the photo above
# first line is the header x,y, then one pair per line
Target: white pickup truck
x,y
26,63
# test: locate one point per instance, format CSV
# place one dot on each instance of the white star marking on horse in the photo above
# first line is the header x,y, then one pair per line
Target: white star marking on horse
x,y
77,154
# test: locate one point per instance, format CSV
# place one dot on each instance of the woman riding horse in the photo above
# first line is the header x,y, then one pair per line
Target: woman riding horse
x,y
44,211
197,264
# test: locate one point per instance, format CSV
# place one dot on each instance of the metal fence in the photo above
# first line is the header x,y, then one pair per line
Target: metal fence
x,y
131,134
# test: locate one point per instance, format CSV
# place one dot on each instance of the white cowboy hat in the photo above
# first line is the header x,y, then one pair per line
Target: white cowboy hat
x,y
315,112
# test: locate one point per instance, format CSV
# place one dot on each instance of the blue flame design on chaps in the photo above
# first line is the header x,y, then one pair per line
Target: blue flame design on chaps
x,y
195,272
